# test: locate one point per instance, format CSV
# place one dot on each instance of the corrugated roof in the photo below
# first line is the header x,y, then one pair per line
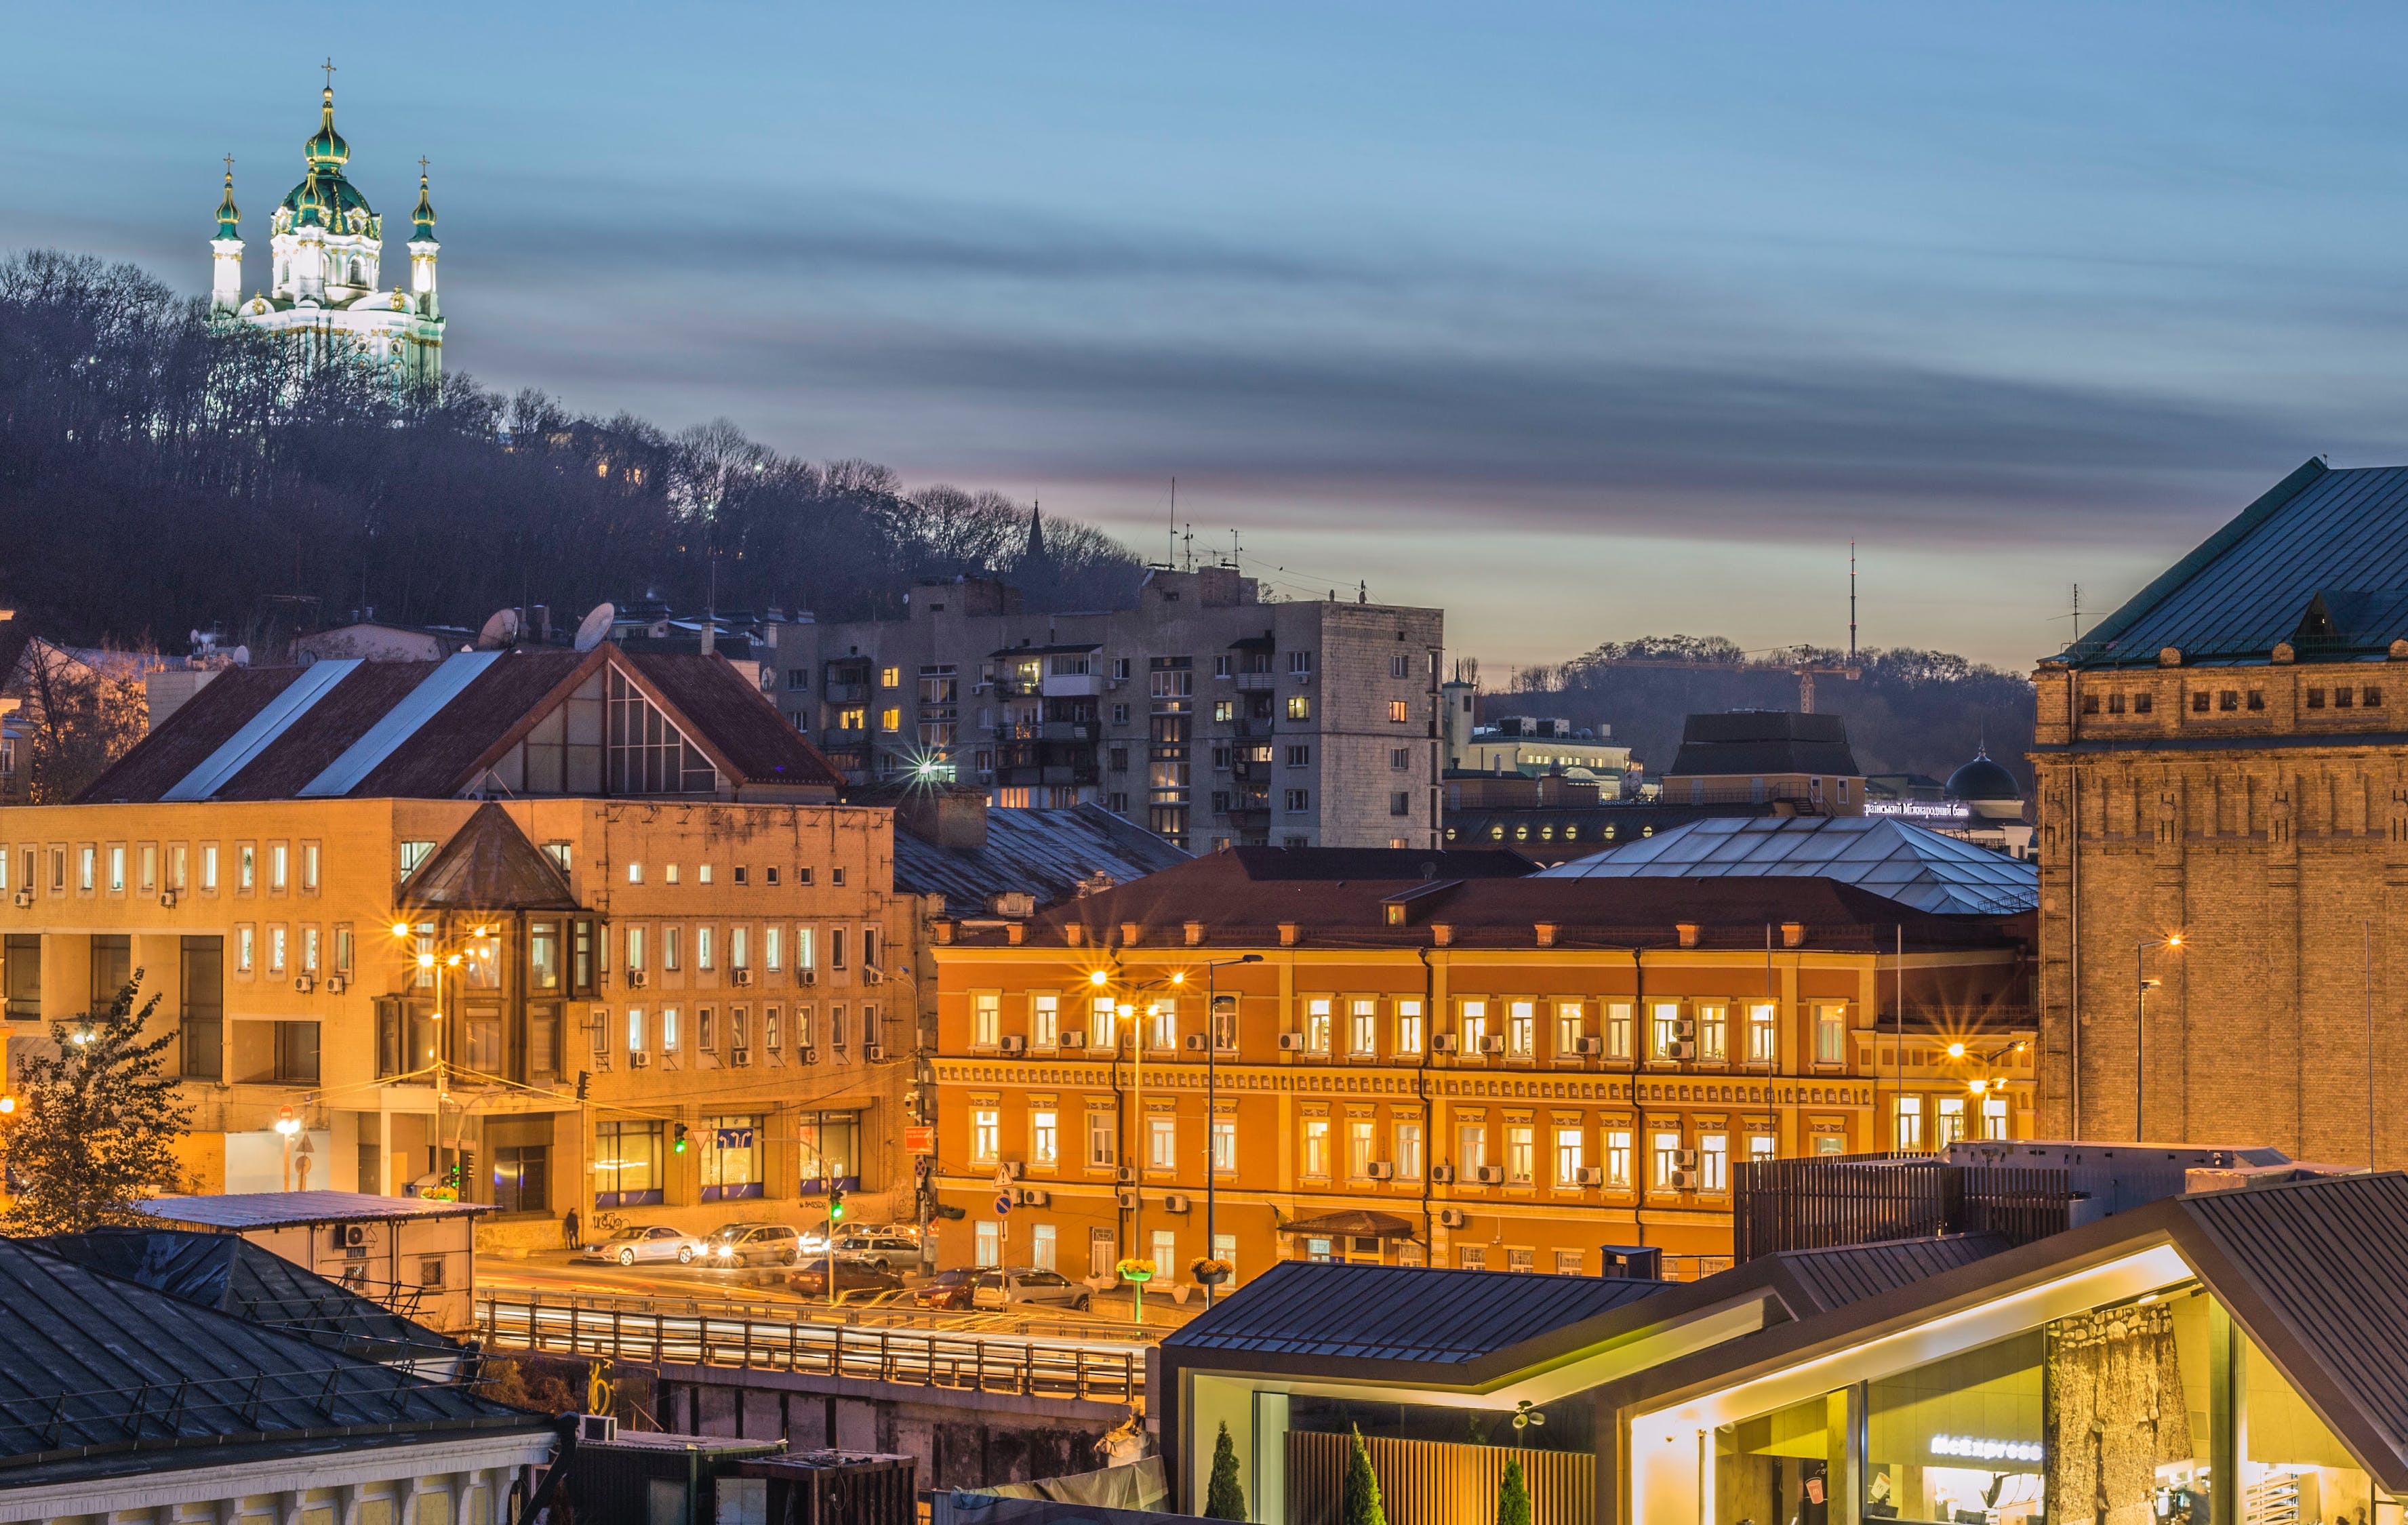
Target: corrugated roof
x,y
2336,537
1833,1278
282,1209
1400,1313
1888,857
199,727
1046,853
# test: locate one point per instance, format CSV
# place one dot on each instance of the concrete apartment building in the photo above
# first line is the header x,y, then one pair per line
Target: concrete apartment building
x,y
2223,759
545,913
1205,713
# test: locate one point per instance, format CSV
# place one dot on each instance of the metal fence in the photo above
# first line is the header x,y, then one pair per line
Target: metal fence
x,y
979,1363
1860,1199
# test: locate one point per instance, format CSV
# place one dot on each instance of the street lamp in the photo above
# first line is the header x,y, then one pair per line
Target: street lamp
x,y
2141,984
1126,1013
1212,1105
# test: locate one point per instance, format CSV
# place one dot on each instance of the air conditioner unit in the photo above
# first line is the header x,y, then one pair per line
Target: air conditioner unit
x,y
1452,1218
1014,1044
1683,1181
639,1059
1014,1169
874,1053
1074,1040
336,984
1174,1204
1032,1197
598,1429
1681,1050
1592,1175
1126,1201
1685,1158
1589,1046
740,1058
1445,1042
1489,1174
1382,1170
634,979
809,977
25,899
741,976
167,900
808,1054
305,983
1441,1175
1291,1042
350,1236
1492,1046
1684,1028
1195,1043
871,974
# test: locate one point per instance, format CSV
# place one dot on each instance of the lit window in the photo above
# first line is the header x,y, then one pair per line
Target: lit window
x,y
772,947
1224,1144
1994,1116
1316,1147
275,948
669,874
1760,1147
1399,711
1299,707
635,1030
890,678
1830,1033
1952,1119
1910,1122
986,1252
1617,1029
1520,1153
1471,1150
1713,1161
1044,1019
986,1135
1161,1142
1316,1025
1044,1140
1763,1034
1362,1027
1409,1151
117,869
242,948
1522,1029
987,1018
1571,1026
1667,1158
1408,1027
702,947
1664,1026
1714,1025
635,948
635,872
1570,1160
1103,1138
1617,1158
279,860
1471,1026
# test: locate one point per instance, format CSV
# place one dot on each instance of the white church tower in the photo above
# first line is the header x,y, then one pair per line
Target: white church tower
x,y
328,245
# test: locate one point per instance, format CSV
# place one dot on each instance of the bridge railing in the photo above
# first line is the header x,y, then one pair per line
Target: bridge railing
x,y
913,1357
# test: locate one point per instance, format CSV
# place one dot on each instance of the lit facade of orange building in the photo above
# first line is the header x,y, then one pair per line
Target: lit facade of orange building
x,y
1505,1073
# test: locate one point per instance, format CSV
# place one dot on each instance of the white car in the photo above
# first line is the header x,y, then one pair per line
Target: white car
x,y
658,1243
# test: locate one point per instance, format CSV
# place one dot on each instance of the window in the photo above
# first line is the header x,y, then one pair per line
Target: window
x,y
1473,1257
1408,1027
202,1021
2198,701
2229,699
343,948
85,869
1713,1161
1571,1025
1830,1033
987,1252
1300,664
1714,1028
1401,758
1569,1161
773,946
805,955
1401,803
1316,1147
1763,1034
1044,1019
2143,703
208,869
671,936
635,948
986,1135
1298,801
1520,1153
1044,1138
175,864
645,753
1300,757
242,948
1667,1148
1909,1133
1359,1148
1761,1147
278,862
627,1164
1103,1018
1399,711
636,1029
1161,1142
702,873
1522,1029
835,944
1471,1026
1617,1030
668,1030
1952,1121
1044,1248
1994,1116
987,1018
1225,1024
738,954
1362,1027
1664,1027
309,949
117,868
1224,1146
1299,707
310,855
1617,1158
1316,1024
770,1028
1409,1151
1103,1139
1471,1150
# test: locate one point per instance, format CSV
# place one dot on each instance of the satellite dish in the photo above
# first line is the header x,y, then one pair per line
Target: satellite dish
x,y
596,626
242,656
500,630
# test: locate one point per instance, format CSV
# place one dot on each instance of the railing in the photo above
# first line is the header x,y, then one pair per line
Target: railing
x,y
1816,1203
908,1357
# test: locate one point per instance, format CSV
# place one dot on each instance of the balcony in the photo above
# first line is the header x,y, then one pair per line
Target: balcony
x,y
1257,682
1073,685
835,692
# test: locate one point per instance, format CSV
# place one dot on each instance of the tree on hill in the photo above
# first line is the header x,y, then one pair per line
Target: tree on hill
x,y
97,1122
1223,1499
1360,1494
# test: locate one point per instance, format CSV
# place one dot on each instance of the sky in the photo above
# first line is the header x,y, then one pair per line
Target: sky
x,y
1583,321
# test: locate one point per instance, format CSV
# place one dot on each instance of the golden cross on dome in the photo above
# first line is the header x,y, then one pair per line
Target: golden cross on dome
x,y
422,166
229,166
329,67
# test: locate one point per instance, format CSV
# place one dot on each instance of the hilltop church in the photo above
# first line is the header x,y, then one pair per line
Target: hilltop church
x,y
328,245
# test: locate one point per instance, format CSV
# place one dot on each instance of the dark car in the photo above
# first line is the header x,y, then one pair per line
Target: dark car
x,y
810,1280
947,1289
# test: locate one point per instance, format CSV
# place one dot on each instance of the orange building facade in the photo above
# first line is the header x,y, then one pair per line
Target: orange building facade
x,y
1506,1074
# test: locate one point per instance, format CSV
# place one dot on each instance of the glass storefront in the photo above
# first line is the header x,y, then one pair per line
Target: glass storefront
x,y
830,1152
731,1158
626,1165
2114,1417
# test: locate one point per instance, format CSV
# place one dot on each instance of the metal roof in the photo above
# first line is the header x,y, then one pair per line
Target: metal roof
x,y
1045,853
489,864
2333,540
285,1209
1399,1312
1833,1278
1749,741
1891,858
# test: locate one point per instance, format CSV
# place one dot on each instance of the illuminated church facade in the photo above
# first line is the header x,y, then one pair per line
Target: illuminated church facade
x,y
328,248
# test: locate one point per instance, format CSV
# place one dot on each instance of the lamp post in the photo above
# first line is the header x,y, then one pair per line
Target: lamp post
x,y
2140,985
1128,1015
1212,1105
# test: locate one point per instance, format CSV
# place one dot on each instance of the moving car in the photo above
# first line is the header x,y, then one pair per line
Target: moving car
x,y
658,1241
946,1288
810,1280
881,1248
754,1244
1026,1284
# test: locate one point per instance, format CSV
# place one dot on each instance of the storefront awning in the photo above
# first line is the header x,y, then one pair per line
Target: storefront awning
x,y
1354,1223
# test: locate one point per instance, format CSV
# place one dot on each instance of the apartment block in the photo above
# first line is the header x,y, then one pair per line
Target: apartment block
x,y
1206,713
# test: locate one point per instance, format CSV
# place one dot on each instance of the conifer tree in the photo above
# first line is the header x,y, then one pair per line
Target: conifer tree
x,y
1361,1495
97,1123
1514,1495
1223,1498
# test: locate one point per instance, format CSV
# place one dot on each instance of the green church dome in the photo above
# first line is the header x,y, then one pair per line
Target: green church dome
x,y
326,149
324,198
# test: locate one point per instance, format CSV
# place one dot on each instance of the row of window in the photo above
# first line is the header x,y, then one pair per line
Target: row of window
x,y
663,1029
2230,701
279,950
671,942
149,867
1103,1250
628,1157
772,875
1707,1030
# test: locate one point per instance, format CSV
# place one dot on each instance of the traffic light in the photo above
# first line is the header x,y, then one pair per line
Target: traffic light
x,y
679,1147
836,1204
585,1080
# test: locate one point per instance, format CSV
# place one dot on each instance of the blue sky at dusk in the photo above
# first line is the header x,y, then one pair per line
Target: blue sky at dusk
x,y
1583,321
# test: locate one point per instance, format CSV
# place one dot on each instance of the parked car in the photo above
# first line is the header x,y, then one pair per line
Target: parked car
x,y
657,1242
881,1248
810,1280
755,1243
1026,1284
946,1288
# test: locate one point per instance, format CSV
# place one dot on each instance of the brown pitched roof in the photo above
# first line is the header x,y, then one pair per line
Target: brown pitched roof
x,y
734,718
489,866
206,722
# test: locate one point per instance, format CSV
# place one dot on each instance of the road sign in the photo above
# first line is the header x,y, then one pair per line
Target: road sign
x,y
1003,1179
920,1138
1003,1205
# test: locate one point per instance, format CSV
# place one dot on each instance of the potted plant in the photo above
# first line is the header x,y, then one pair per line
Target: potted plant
x,y
1133,1269
1210,1272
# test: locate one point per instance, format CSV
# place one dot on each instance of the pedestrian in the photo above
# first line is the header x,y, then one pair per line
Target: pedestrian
x,y
568,1227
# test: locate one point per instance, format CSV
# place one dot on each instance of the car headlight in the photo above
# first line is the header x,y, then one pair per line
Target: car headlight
x,y
723,1251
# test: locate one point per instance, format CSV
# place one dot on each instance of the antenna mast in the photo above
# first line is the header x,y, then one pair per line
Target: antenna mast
x,y
1852,602
1173,559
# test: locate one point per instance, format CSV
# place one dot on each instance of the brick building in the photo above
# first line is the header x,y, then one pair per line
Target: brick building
x,y
2221,760
1435,1056
538,912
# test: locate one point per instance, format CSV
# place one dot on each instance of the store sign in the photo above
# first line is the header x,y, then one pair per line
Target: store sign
x,y
920,1138
1976,1449
1946,812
